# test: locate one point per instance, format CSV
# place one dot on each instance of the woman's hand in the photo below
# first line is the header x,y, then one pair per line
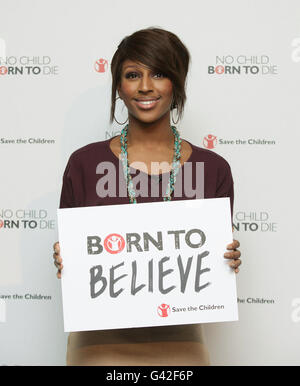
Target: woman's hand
x,y
57,259
234,255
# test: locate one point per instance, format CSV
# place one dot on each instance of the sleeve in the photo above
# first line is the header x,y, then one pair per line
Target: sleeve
x,y
67,193
225,186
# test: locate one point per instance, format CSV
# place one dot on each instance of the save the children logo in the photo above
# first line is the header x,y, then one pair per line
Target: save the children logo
x,y
101,65
210,141
114,243
163,310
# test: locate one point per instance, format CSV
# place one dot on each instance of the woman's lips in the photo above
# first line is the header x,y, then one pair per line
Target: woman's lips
x,y
146,104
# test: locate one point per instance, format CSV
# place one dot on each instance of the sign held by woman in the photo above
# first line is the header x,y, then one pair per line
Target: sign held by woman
x,y
126,267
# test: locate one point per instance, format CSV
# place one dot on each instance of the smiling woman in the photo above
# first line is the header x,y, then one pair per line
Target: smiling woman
x,y
149,71
146,94
154,61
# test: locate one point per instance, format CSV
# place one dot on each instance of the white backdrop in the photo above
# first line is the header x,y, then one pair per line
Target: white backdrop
x,y
243,88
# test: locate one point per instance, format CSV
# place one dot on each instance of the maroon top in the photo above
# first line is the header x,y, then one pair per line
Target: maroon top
x,y
80,177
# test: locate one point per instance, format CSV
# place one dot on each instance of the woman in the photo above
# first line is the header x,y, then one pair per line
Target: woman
x,y
149,72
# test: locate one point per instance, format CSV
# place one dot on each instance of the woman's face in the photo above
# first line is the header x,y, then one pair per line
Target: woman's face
x,y
147,95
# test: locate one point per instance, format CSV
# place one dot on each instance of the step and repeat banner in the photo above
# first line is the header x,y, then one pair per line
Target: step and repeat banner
x,y
243,100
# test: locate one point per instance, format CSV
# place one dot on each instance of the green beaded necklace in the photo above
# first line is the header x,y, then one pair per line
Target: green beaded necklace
x,y
174,170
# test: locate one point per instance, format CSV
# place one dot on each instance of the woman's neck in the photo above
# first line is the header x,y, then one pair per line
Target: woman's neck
x,y
150,134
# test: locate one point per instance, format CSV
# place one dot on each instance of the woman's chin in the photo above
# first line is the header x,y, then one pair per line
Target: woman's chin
x,y
148,118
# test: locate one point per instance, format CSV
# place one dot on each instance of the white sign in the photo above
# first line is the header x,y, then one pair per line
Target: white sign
x,y
146,264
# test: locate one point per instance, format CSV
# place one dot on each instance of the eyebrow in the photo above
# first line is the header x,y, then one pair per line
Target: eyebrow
x,y
130,66
137,67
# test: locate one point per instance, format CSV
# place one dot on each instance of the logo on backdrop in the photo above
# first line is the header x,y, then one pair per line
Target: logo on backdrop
x,y
27,141
27,66
251,300
29,219
243,65
210,141
254,222
101,65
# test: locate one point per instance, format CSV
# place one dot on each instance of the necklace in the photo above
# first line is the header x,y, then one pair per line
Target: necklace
x,y
174,169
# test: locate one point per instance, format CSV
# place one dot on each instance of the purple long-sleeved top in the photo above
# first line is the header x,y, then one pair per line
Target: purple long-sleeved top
x,y
80,177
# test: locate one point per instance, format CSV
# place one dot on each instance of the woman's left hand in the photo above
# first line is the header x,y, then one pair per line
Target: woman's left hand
x,y
234,255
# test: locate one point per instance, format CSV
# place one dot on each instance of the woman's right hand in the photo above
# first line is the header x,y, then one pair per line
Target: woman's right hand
x,y
57,259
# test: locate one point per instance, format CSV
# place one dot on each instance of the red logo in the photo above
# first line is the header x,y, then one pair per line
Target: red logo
x,y
210,141
1,223
163,310
114,243
3,70
219,70
101,65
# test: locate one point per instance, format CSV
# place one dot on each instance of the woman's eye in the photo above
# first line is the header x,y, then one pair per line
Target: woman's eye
x,y
134,75
131,75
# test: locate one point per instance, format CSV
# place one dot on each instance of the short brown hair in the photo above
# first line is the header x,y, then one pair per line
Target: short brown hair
x,y
161,51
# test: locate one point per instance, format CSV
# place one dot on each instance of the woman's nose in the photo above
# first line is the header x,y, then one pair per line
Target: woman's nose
x,y
145,84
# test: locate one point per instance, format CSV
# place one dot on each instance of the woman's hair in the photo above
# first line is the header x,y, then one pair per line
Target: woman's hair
x,y
159,50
